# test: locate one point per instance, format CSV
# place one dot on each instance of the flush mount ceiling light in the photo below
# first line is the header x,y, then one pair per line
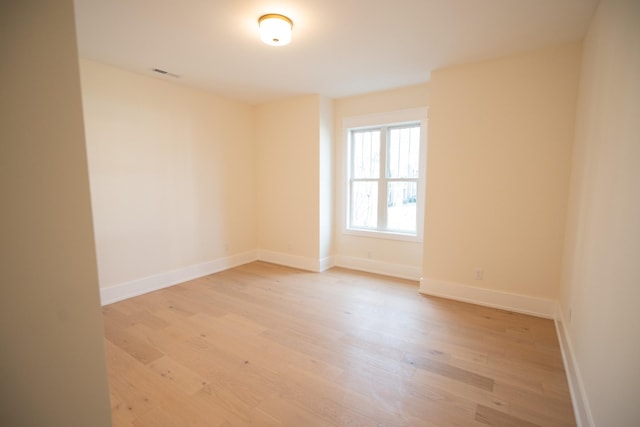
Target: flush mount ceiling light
x,y
275,30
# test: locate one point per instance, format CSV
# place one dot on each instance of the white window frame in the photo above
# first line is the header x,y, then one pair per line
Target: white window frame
x,y
383,120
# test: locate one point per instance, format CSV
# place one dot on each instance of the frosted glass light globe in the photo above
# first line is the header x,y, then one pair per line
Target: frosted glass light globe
x,y
275,30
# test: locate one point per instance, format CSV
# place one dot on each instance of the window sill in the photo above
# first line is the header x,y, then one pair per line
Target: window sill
x,y
388,235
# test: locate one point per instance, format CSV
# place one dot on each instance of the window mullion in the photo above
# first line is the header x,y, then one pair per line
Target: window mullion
x,y
382,183
371,150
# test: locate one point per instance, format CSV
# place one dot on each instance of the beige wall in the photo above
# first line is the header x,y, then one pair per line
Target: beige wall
x,y
500,136
601,286
52,361
287,171
172,174
403,98
396,254
327,177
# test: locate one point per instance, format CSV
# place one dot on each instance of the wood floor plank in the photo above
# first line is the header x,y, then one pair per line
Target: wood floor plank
x,y
524,404
450,371
179,374
139,349
156,418
494,418
288,414
266,345
447,385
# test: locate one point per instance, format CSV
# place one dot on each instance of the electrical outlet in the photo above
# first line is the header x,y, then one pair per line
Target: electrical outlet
x,y
479,274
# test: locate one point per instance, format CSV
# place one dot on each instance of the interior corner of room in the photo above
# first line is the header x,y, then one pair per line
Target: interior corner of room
x,y
532,200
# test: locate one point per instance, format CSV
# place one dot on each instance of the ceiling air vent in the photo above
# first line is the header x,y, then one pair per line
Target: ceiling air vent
x,y
165,72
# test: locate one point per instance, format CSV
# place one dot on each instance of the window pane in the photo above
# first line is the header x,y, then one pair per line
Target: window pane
x,y
364,204
366,153
401,206
404,152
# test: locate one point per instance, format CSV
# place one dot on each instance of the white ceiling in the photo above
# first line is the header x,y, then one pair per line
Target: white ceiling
x,y
339,47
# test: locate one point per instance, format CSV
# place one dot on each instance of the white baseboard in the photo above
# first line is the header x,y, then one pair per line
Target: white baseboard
x,y
296,261
326,263
581,407
377,267
144,285
163,280
525,304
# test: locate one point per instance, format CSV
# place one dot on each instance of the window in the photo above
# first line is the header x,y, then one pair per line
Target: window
x,y
385,178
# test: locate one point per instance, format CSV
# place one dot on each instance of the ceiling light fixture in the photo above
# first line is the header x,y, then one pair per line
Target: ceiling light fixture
x,y
275,30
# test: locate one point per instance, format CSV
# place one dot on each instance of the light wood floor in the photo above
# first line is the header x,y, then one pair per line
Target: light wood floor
x,y
264,345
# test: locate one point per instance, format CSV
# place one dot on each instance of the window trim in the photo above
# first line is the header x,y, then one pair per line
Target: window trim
x,y
386,120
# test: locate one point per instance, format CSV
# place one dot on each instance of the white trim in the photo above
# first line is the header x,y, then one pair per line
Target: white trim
x,y
581,407
378,267
519,303
144,285
386,119
295,261
326,263
148,284
383,234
